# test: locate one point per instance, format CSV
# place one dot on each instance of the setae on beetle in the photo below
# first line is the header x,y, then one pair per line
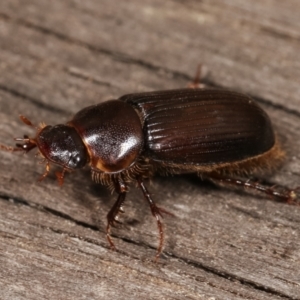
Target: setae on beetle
x,y
221,135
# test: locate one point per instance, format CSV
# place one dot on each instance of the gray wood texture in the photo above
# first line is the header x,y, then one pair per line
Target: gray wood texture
x,y
57,57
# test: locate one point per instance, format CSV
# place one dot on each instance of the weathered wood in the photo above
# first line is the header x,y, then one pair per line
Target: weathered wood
x,y
59,56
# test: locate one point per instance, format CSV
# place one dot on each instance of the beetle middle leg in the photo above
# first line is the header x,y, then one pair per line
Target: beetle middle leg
x,y
121,189
280,193
157,213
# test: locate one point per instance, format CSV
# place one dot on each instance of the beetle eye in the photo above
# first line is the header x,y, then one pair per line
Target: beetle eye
x,y
74,160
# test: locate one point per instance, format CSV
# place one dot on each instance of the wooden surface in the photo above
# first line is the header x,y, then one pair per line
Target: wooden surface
x,y
59,56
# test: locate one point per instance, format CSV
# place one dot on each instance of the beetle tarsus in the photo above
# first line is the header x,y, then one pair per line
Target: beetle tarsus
x,y
279,193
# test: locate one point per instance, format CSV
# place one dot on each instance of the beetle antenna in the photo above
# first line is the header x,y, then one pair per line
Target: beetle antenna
x,y
26,121
26,145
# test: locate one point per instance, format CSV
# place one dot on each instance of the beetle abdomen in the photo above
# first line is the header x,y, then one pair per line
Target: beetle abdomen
x,y
202,126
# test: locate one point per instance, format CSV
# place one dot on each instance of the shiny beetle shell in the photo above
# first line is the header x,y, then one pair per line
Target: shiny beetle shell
x,y
202,128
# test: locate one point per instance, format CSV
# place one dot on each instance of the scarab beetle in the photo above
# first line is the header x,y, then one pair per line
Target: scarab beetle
x,y
220,135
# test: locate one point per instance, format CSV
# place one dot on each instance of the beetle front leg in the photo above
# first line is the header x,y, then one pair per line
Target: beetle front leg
x,y
280,193
121,189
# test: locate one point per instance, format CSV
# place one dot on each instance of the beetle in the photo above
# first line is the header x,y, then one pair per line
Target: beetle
x,y
221,135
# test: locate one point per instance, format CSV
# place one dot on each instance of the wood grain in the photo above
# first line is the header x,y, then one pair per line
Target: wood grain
x,y
59,56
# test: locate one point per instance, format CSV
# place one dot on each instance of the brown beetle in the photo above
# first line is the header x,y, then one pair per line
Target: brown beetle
x,y
220,135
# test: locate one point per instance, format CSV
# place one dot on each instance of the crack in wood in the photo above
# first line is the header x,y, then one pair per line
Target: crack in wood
x,y
66,217
226,275
85,76
48,210
280,107
118,56
279,34
233,278
124,58
32,100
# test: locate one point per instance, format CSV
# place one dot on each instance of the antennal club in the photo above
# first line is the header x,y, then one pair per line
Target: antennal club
x,y
26,144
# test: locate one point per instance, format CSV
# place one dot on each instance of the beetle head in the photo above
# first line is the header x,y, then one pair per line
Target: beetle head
x,y
62,145
59,144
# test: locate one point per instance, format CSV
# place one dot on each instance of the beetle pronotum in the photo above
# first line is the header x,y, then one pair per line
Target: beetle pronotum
x,y
221,135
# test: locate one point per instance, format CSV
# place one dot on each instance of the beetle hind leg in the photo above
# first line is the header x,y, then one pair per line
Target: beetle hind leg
x,y
279,193
197,81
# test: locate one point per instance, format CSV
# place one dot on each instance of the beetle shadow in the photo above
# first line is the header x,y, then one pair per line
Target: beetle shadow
x,y
94,197
196,180
207,186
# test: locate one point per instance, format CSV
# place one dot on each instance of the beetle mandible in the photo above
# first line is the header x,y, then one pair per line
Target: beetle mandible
x,y
221,135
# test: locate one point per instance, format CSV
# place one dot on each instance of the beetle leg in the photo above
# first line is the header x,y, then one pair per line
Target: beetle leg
x,y
11,149
60,176
196,83
157,213
280,193
42,177
121,189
